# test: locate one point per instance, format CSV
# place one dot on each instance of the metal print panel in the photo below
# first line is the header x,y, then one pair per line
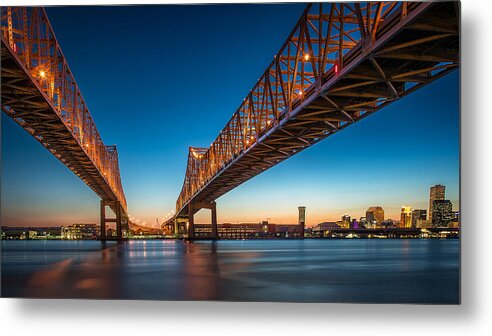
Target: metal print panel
x,y
281,152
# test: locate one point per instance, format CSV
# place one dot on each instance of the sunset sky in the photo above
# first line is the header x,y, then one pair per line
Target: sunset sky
x,y
158,79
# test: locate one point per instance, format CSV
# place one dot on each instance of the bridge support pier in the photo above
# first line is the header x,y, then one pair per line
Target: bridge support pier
x,y
215,234
193,208
176,227
180,226
103,220
191,222
120,219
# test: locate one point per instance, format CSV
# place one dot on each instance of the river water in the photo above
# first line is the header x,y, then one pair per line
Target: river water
x,y
349,270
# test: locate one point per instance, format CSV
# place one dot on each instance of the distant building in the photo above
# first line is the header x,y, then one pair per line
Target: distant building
x,y
80,231
324,228
375,213
423,224
454,224
443,213
32,234
302,219
406,217
418,214
388,223
328,226
50,232
354,224
250,230
288,231
372,224
111,233
437,193
267,228
345,222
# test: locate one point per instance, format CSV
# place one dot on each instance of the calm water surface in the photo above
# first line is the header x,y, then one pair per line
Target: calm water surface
x,y
382,271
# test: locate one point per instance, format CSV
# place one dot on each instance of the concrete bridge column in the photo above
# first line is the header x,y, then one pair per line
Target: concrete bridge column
x,y
119,231
176,227
103,220
194,208
213,207
191,221
124,224
118,220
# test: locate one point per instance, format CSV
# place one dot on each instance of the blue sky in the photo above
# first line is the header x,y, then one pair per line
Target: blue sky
x,y
159,79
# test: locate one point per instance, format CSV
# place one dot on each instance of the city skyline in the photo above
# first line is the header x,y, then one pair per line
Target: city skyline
x,y
372,162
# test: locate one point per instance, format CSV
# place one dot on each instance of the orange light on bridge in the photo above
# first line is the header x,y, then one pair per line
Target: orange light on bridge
x,y
42,74
306,57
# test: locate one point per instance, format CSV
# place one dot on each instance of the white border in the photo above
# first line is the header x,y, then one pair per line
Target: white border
x,y
473,317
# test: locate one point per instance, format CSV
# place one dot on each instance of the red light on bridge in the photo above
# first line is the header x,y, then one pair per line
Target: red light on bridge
x,y
336,68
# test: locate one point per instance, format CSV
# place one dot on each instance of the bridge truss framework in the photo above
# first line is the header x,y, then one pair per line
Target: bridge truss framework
x,y
341,63
39,92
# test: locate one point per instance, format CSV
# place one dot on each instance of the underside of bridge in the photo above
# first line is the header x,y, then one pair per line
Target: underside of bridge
x,y
341,63
39,92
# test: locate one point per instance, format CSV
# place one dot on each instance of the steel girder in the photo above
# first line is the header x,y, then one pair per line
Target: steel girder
x,y
39,92
341,63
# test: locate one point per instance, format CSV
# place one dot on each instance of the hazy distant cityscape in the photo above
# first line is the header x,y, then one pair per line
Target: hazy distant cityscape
x,y
438,221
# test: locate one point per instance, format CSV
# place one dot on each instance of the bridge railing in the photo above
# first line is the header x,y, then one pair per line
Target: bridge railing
x,y
29,35
324,39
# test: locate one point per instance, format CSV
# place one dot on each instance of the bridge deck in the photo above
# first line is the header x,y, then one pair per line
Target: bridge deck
x,y
39,92
413,45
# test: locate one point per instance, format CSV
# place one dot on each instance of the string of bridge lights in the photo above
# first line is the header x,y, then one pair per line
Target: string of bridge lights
x,y
137,221
168,216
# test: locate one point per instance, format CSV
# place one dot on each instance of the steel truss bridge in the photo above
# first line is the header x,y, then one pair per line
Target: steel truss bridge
x,y
39,92
341,63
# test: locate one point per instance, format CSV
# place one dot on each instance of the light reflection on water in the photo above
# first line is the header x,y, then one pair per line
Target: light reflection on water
x,y
423,271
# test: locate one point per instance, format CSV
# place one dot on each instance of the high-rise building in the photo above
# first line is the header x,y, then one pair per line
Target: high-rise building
x,y
418,214
345,222
302,219
375,213
437,193
406,217
443,213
